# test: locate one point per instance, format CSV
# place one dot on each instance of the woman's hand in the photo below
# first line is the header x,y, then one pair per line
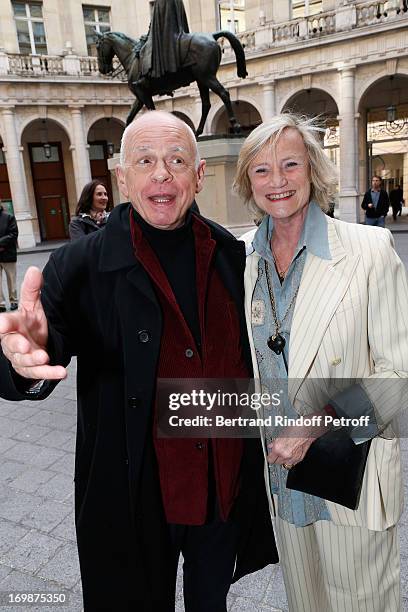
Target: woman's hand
x,y
99,217
293,443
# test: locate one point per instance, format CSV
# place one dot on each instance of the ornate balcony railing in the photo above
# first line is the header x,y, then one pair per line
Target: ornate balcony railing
x,y
41,65
52,65
89,66
349,17
371,13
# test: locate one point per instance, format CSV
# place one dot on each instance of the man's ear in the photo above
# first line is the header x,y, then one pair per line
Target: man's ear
x,y
120,177
200,175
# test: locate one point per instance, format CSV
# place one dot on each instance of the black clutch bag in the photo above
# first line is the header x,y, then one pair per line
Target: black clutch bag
x,y
333,469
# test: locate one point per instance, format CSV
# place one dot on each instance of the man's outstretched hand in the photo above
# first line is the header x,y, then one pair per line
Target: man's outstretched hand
x,y
24,333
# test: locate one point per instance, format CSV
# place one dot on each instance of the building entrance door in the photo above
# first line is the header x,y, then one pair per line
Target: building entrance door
x,y
53,216
50,190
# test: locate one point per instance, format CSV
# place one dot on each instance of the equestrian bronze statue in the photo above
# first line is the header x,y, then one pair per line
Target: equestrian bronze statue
x,y
156,65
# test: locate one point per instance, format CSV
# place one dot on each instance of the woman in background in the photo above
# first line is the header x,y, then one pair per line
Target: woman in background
x,y
90,214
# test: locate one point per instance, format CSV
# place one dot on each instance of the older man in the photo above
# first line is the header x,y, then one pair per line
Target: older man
x,y
145,299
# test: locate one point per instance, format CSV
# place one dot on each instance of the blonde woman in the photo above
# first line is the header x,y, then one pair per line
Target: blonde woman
x,y
324,301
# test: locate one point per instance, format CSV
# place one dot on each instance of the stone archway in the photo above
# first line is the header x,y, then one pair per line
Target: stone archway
x,y
318,103
50,176
245,112
383,132
312,102
184,118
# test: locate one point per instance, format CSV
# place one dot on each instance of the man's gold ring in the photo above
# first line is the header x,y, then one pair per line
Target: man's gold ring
x,y
287,466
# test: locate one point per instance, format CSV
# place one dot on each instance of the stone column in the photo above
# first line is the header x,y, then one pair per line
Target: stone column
x,y
117,196
80,150
348,198
17,180
269,99
363,178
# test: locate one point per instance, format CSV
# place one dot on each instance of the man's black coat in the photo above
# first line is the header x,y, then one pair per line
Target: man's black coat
x,y
8,237
100,303
382,208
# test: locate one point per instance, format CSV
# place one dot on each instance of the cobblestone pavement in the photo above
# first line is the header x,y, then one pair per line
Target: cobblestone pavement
x,y
37,539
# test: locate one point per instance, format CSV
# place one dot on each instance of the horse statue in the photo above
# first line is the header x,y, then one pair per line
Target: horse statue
x,y
201,58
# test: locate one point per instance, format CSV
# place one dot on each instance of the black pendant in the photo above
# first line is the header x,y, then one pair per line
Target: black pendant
x,y
276,343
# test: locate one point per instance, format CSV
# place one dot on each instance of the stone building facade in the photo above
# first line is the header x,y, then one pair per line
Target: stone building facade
x,y
60,120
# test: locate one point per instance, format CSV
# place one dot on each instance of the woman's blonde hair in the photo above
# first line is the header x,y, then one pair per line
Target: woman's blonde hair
x,y
323,173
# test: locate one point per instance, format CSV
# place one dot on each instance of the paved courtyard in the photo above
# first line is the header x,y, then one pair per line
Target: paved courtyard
x,y
37,539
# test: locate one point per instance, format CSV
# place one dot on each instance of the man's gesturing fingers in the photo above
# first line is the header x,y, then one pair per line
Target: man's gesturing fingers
x,y
29,362
14,343
30,320
24,334
29,303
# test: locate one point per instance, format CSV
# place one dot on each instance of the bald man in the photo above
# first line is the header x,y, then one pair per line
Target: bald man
x,y
156,294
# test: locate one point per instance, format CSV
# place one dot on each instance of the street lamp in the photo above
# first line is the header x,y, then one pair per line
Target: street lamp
x,y
391,113
47,150
44,139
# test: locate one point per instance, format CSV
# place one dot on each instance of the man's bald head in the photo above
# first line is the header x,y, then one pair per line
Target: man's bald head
x,y
160,171
151,119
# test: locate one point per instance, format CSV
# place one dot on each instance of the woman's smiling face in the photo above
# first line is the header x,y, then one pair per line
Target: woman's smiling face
x,y
280,176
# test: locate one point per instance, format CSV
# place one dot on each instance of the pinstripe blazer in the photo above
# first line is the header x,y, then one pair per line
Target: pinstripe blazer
x,y
350,322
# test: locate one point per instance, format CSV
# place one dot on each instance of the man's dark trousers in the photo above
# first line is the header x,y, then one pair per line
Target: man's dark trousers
x,y
209,557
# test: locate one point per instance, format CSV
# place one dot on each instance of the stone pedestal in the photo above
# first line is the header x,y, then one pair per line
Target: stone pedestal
x,y
216,200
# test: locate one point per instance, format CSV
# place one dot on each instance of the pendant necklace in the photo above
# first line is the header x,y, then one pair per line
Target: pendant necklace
x,y
281,272
277,342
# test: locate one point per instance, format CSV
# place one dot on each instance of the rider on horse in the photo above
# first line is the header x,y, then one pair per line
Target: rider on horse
x,y
161,53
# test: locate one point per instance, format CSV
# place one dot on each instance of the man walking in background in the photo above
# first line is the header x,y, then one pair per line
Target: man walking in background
x,y
8,257
376,203
397,201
